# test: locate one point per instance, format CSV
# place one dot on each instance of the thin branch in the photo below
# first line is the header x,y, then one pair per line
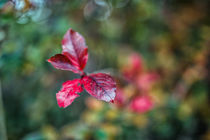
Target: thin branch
x,y
3,135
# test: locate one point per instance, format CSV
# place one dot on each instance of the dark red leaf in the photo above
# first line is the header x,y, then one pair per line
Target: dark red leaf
x,y
62,62
101,86
75,49
68,92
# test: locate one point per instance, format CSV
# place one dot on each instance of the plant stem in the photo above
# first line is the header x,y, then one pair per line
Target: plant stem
x,y
3,135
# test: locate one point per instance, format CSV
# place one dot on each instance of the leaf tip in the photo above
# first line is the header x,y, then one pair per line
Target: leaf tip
x,y
71,30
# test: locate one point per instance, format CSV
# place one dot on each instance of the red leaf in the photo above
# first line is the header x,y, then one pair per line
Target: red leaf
x,y
101,86
141,104
75,49
62,62
68,92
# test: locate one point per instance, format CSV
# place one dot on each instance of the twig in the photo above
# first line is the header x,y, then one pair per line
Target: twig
x,y
3,135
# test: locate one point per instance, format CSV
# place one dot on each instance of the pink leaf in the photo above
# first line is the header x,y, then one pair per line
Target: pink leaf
x,y
62,62
101,86
141,104
120,98
136,61
68,92
146,80
75,49
134,67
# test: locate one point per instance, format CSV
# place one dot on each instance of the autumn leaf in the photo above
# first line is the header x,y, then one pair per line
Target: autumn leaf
x,y
74,58
69,92
75,49
62,62
101,86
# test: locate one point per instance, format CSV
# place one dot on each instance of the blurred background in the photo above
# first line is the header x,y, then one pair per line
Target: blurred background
x,y
157,50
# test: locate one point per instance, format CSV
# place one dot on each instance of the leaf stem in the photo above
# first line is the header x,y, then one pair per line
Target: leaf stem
x,y
83,74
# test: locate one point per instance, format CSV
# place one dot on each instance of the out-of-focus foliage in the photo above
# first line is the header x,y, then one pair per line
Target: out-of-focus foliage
x,y
172,37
